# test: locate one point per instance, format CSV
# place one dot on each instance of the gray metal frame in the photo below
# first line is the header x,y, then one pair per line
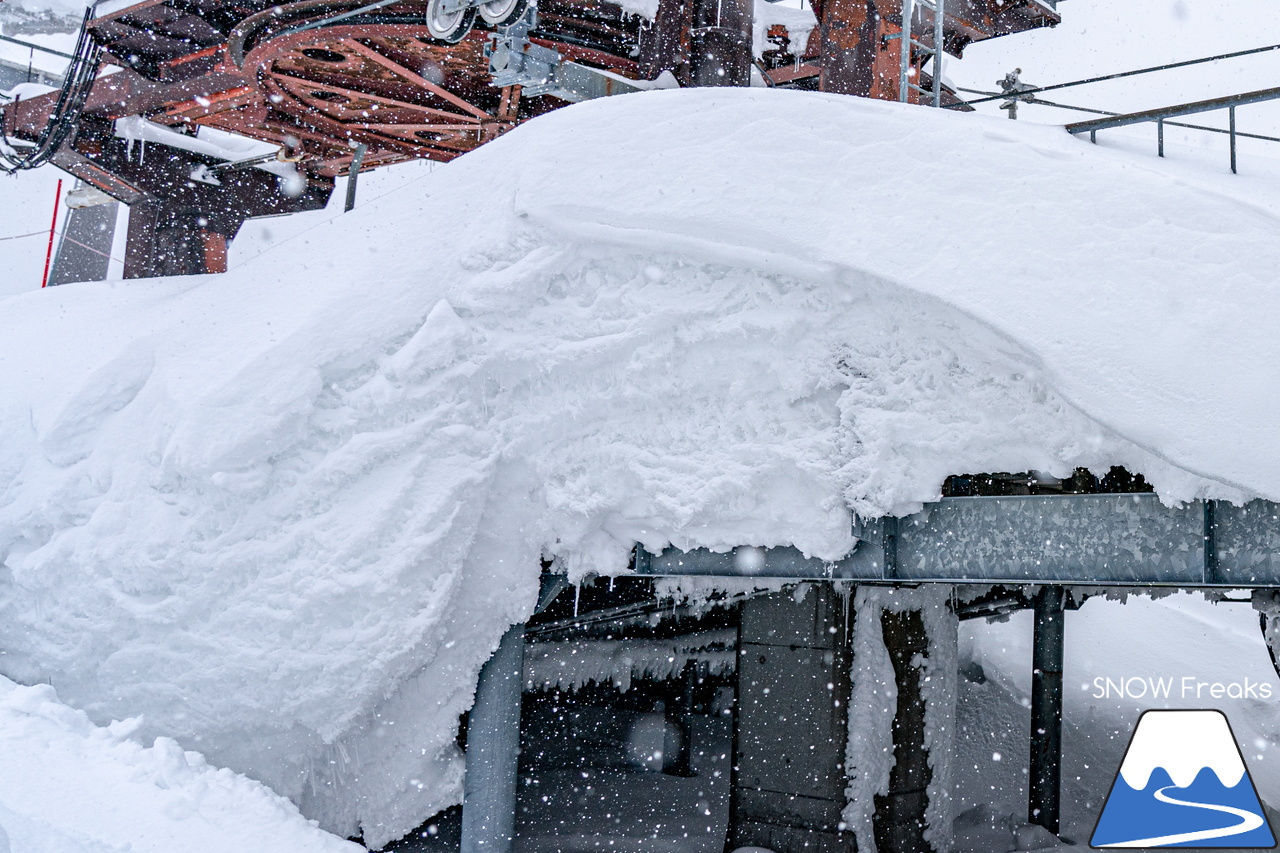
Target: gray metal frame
x,y
905,86
1109,540
514,60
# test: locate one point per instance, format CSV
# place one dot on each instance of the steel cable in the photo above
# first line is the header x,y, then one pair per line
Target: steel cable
x,y
1116,76
65,116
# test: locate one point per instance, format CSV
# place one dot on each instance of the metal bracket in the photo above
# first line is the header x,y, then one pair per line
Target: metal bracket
x,y
889,526
514,60
1210,542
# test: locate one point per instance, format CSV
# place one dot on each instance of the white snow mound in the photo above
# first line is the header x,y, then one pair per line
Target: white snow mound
x,y
287,512
68,786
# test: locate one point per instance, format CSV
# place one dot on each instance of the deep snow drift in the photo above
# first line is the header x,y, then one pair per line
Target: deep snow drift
x,y
96,791
285,513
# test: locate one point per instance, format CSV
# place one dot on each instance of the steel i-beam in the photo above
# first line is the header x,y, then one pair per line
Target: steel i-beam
x,y
1044,792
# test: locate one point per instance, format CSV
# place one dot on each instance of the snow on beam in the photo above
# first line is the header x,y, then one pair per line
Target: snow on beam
x,y
1076,539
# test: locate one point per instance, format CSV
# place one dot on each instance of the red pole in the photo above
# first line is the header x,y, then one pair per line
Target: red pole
x,y
48,255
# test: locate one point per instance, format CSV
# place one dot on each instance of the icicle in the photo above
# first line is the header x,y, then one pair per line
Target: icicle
x,y
577,594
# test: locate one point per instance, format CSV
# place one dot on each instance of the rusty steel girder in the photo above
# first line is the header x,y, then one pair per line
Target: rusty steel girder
x,y
325,78
378,78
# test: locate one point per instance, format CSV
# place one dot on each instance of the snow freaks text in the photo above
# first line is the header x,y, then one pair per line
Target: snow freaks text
x,y
1184,687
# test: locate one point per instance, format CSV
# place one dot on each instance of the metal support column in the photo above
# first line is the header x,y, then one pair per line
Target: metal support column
x,y
1044,792
720,43
910,44
904,71
939,45
1232,114
1211,564
353,175
899,822
1160,135
493,750
791,723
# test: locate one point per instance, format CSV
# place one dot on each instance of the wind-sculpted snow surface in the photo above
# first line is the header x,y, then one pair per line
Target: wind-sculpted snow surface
x,y
287,512
68,786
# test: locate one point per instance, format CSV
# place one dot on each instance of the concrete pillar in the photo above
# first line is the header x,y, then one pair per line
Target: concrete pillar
x,y
493,750
1045,784
791,722
899,821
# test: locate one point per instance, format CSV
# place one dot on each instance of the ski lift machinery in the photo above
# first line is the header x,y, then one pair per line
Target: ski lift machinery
x,y
396,80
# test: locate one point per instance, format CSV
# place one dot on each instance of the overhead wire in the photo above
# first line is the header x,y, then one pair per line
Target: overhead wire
x,y
20,236
1167,122
33,46
1116,76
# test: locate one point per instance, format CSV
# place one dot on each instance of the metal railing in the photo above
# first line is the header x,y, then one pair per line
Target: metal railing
x,y
1161,115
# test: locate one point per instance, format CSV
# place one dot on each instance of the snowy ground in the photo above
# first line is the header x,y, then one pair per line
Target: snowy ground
x,y
68,786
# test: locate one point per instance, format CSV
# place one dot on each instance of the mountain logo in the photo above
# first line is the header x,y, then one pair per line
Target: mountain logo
x,y
1183,783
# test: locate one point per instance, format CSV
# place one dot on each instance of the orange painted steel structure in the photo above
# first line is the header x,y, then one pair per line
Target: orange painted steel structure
x,y
377,78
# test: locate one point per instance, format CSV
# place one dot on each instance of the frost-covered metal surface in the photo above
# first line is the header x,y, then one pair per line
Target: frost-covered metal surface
x,y
572,664
1247,543
1113,539
1062,537
865,562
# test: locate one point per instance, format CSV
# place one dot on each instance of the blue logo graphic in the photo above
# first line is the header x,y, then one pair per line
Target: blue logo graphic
x,y
1183,783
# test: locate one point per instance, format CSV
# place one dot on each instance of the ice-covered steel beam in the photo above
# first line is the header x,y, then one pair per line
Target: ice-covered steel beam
x,y
493,751
1130,539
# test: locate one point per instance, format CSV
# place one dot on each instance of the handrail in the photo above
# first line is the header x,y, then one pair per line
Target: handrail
x,y
1160,115
1094,125
34,46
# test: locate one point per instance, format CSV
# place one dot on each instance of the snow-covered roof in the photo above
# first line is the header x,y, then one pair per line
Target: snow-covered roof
x,y
289,510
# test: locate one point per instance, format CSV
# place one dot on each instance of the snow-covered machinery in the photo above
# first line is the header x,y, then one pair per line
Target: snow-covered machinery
x,y
343,83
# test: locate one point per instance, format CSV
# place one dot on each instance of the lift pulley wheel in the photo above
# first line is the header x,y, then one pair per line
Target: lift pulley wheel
x,y
449,25
502,13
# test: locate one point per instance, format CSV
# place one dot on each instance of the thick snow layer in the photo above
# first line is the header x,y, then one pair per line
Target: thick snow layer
x,y
68,786
799,23
286,513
